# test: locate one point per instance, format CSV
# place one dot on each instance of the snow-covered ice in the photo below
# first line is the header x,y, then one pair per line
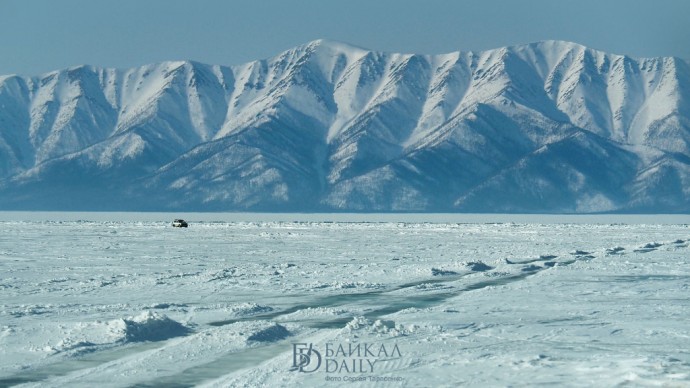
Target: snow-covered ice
x,y
393,303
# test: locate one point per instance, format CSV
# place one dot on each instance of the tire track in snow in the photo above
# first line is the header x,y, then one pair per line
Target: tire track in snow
x,y
254,356
97,358
337,300
233,361
71,365
529,268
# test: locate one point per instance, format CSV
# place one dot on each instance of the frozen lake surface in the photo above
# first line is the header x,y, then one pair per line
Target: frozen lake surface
x,y
283,300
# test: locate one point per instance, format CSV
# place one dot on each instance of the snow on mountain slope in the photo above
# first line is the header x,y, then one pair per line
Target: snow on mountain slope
x,y
568,169
15,147
548,126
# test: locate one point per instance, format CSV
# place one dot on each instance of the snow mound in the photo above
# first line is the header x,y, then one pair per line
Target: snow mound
x,y
168,306
247,309
85,337
378,327
478,266
442,272
315,313
648,247
272,333
150,326
235,309
340,285
615,251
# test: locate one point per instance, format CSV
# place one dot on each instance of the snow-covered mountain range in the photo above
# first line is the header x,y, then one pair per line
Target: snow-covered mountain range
x,y
544,127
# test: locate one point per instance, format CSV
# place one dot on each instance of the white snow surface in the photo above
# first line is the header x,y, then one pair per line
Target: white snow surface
x,y
220,304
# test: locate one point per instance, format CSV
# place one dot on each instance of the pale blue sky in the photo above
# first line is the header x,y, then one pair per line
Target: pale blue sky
x,y
37,36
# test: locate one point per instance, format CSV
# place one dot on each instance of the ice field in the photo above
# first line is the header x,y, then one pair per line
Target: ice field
x,y
127,302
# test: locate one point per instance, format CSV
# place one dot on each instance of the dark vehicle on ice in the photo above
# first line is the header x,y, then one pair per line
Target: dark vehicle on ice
x,y
179,223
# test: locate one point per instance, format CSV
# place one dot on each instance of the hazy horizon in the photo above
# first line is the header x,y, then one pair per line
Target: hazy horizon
x,y
39,36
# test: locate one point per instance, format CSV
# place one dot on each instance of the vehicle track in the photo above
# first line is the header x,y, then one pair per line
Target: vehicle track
x,y
383,302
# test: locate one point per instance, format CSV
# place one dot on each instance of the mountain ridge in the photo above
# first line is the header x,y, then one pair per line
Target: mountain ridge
x,y
328,126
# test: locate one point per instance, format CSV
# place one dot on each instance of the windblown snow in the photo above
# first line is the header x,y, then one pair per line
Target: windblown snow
x,y
545,127
138,303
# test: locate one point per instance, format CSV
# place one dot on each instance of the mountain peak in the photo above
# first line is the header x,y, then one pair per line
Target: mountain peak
x,y
333,48
324,126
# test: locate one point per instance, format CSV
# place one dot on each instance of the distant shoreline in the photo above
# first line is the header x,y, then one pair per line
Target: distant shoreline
x,y
469,218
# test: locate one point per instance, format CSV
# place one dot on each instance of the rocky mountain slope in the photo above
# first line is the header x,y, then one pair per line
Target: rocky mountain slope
x,y
545,127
